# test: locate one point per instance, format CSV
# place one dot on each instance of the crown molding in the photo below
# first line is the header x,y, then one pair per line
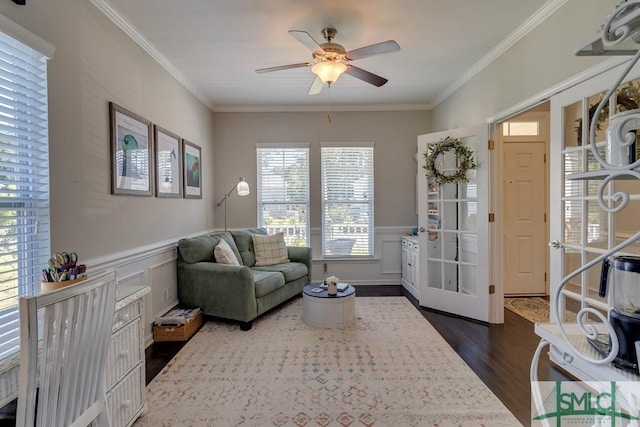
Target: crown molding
x,y
541,14
316,108
596,70
105,7
534,20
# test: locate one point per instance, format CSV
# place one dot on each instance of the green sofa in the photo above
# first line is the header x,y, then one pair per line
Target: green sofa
x,y
241,292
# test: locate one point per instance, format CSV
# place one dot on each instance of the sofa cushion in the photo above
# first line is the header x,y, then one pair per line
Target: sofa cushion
x,y
270,250
244,243
201,248
290,270
224,254
267,282
196,249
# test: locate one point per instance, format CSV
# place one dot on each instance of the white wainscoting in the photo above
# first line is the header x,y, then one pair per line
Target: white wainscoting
x,y
151,265
155,266
384,268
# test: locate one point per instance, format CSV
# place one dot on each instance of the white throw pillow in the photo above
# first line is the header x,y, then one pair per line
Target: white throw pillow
x,y
224,254
270,250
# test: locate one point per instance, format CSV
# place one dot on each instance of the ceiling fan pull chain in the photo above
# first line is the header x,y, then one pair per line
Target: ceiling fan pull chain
x,y
329,103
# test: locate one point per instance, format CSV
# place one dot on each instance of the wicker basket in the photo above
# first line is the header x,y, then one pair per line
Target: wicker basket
x,y
177,333
52,286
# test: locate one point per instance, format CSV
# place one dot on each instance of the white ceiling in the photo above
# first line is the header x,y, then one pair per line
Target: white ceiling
x,y
215,46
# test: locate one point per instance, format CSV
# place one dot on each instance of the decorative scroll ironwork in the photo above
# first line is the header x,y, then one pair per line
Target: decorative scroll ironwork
x,y
622,24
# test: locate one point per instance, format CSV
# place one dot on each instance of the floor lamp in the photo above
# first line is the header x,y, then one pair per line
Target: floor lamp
x,y
242,189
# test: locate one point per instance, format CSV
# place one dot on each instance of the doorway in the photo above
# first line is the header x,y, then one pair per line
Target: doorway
x,y
522,150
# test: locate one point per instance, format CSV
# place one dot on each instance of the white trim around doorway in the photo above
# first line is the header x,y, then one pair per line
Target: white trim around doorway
x,y
496,309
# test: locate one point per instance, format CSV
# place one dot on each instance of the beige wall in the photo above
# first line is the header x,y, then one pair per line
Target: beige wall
x,y
542,59
95,63
394,134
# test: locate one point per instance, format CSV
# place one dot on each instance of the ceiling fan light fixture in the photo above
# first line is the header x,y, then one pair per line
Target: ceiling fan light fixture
x,y
329,71
331,60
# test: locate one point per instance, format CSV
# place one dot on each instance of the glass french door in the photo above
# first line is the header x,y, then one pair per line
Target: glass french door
x,y
453,224
580,230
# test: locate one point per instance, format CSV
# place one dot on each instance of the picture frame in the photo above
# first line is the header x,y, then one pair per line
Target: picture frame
x,y
192,170
132,168
168,151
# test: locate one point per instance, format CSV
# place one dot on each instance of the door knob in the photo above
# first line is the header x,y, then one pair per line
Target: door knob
x,y
422,229
555,244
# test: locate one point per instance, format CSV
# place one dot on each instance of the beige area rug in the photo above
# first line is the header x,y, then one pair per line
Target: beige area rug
x,y
534,309
390,368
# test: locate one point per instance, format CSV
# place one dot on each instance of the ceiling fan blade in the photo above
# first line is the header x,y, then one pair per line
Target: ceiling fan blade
x,y
366,76
284,67
306,39
316,86
374,49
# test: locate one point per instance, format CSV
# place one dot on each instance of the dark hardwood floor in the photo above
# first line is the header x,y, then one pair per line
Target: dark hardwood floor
x,y
499,354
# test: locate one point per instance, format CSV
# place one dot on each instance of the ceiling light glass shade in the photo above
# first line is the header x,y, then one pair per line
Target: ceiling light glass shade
x,y
329,71
242,188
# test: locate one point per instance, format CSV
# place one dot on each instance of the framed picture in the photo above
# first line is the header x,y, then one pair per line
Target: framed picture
x,y
192,165
168,148
131,153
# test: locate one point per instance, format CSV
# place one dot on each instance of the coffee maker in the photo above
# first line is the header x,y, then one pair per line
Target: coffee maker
x,y
625,314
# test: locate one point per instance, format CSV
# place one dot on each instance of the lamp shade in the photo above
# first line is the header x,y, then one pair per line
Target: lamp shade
x,y
329,71
242,188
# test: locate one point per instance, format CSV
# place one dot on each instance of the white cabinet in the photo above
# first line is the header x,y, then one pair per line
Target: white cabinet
x,y
410,270
125,372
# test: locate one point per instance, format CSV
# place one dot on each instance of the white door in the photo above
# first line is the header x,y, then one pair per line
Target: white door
x,y
580,230
454,231
525,234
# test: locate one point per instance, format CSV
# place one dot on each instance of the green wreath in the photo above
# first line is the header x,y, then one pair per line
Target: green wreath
x,y
464,160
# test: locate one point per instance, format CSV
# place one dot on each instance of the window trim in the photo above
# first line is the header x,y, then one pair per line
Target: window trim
x,y
29,150
26,37
260,204
371,201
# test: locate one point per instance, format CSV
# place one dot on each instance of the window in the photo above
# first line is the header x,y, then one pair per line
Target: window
x,y
521,128
347,200
24,181
283,191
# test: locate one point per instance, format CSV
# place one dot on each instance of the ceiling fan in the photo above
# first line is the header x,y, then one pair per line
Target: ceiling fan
x,y
330,59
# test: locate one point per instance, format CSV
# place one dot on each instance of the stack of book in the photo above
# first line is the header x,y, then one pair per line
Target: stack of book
x,y
341,287
177,325
177,317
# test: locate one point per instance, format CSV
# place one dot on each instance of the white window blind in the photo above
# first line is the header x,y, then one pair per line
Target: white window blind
x,y
283,191
24,181
347,200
